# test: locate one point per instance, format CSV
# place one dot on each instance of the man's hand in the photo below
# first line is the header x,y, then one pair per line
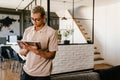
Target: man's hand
x,y
24,50
30,47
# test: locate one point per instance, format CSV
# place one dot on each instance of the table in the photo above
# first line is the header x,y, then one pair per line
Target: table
x,y
16,48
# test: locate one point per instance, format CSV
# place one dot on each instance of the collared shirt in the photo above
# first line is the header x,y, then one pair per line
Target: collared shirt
x,y
35,64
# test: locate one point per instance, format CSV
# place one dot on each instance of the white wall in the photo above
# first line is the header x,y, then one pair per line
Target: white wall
x,y
107,30
73,58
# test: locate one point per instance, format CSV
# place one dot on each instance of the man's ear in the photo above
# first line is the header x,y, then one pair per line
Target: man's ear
x,y
44,18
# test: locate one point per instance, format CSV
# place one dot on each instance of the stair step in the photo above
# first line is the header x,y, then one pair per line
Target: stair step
x,y
78,21
98,59
85,33
97,55
95,47
99,62
102,66
89,41
82,29
80,25
96,52
88,37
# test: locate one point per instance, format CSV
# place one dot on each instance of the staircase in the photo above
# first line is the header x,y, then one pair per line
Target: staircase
x,y
83,31
97,58
99,62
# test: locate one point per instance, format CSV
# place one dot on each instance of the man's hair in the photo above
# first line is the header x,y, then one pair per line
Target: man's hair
x,y
38,9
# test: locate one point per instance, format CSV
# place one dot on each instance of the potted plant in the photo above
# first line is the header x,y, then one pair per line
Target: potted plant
x,y
67,33
59,36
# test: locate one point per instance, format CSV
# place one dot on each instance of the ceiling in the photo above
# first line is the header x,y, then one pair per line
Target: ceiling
x,y
106,2
21,4
56,4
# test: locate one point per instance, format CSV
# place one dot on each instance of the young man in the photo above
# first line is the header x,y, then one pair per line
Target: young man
x,y
38,63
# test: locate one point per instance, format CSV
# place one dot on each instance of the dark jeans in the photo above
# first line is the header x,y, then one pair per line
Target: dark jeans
x,y
25,76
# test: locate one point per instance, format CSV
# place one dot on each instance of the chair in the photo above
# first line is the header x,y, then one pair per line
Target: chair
x,y
4,56
16,61
1,58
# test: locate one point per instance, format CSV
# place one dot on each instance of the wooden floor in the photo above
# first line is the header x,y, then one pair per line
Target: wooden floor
x,y
7,73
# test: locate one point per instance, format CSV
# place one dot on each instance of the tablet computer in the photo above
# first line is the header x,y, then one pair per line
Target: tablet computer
x,y
30,43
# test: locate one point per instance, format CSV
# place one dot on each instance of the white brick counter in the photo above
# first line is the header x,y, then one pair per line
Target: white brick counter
x,y
73,57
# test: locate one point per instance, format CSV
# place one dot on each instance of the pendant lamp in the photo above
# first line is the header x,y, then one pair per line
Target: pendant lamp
x,y
64,18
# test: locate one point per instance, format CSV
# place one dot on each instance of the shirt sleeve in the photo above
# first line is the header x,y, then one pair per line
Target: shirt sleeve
x,y
25,35
53,42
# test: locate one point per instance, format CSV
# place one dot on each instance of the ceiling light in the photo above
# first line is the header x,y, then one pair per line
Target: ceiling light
x,y
64,18
16,9
19,5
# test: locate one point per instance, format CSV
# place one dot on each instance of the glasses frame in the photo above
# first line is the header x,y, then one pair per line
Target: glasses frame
x,y
36,19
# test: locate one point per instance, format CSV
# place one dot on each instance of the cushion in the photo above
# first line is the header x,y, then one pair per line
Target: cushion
x,y
77,76
110,73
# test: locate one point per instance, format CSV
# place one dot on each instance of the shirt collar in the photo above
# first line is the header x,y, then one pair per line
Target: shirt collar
x,y
41,30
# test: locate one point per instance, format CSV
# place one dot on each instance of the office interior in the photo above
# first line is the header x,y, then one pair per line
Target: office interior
x,y
85,28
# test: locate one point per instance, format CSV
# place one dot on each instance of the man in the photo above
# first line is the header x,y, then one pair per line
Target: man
x,y
38,63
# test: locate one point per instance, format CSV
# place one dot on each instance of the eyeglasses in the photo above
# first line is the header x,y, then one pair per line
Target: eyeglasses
x,y
36,19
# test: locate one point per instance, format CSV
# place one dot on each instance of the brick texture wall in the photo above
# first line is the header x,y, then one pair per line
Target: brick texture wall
x,y
73,57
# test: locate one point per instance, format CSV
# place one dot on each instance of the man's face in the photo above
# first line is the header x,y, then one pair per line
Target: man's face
x,y
37,20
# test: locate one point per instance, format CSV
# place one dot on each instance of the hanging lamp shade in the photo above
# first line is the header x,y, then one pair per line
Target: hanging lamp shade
x,y
64,18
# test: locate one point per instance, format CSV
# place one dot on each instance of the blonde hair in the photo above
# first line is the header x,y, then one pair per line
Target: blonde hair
x,y
38,9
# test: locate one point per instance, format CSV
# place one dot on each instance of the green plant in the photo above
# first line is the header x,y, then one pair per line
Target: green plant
x,y
67,32
59,35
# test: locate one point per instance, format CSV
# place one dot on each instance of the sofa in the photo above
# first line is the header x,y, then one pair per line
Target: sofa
x,y
103,74
77,76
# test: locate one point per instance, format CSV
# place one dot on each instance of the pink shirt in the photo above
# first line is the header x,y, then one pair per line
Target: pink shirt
x,y
36,65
